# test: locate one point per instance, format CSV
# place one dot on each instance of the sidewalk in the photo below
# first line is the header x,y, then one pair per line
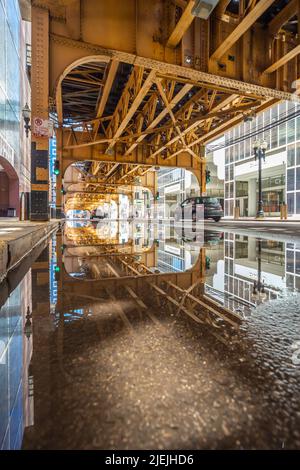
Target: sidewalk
x,y
265,219
17,239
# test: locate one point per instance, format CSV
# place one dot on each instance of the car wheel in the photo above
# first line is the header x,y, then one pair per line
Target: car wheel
x,y
216,219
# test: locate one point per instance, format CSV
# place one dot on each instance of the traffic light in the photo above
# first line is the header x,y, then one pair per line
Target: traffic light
x,y
56,167
157,196
207,262
207,175
63,191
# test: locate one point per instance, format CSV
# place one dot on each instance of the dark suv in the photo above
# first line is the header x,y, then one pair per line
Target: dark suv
x,y
188,209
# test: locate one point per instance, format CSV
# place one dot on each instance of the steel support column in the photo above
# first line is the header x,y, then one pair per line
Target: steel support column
x,y
39,105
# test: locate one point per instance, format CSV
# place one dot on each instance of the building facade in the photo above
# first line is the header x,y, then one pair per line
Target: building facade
x,y
280,170
174,186
14,94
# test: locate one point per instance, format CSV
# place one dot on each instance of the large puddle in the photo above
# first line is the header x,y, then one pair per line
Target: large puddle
x,y
96,353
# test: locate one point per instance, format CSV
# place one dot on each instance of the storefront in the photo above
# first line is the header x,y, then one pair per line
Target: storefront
x,y
273,195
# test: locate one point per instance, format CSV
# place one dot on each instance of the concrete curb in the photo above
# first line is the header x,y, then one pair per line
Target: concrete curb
x,y
13,251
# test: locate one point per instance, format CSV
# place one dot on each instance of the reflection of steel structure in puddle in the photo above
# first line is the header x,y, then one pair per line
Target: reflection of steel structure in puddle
x,y
190,301
87,235
98,250
112,233
102,263
172,290
161,293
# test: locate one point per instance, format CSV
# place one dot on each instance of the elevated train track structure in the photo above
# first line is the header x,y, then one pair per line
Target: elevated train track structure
x,y
150,83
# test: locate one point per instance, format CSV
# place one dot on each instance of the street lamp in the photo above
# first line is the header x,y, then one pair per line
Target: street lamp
x,y
28,324
259,293
260,146
26,113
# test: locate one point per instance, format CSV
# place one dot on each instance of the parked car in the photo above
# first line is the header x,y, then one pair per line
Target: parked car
x,y
188,209
99,216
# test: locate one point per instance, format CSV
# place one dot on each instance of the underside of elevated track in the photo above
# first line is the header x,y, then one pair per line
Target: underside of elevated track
x,y
141,330
150,83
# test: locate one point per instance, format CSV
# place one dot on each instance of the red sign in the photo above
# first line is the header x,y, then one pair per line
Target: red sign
x,y
42,127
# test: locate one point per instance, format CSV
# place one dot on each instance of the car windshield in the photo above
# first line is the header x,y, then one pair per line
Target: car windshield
x,y
210,200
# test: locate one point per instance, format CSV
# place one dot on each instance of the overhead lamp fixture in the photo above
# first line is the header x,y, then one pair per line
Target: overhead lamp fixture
x,y
188,59
203,8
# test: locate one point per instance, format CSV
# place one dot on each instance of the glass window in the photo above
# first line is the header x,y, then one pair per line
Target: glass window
x,y
259,121
12,128
267,138
235,152
297,263
290,180
274,137
2,49
290,107
290,281
13,77
241,151
227,156
297,203
291,155
290,261
226,207
297,178
13,20
298,153
274,113
231,207
291,131
290,202
236,132
298,127
247,148
282,134
274,130
282,109
226,173
2,110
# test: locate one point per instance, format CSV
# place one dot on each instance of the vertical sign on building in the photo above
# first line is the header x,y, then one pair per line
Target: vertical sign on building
x,y
39,201
52,158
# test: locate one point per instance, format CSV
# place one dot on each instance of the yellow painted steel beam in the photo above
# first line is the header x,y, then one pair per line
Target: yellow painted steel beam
x,y
169,69
183,24
124,110
194,125
283,16
113,67
221,7
243,26
161,115
283,60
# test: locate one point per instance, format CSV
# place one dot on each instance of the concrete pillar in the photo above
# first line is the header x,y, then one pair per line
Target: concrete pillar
x,y
252,205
